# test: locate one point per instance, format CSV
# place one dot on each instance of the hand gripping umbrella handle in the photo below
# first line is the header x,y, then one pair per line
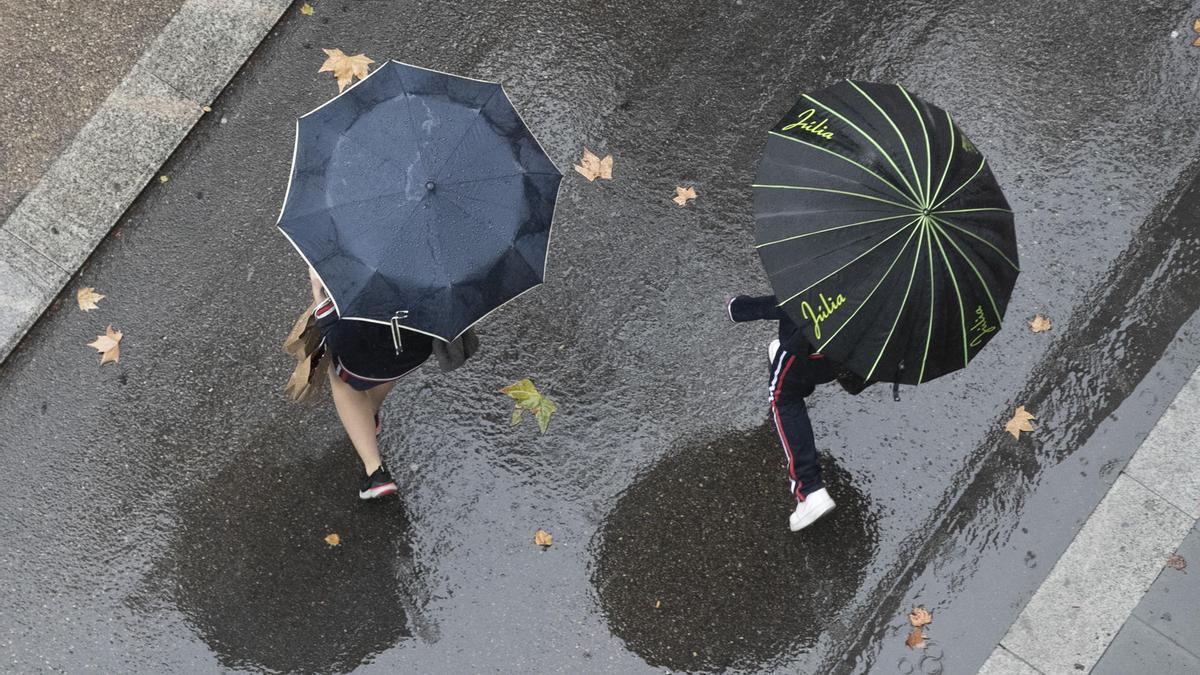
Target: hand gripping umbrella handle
x,y
397,338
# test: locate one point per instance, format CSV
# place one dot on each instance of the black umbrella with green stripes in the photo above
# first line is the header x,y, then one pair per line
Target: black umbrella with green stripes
x,y
884,232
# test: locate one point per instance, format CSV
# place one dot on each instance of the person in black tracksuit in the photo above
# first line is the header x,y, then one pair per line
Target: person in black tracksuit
x,y
795,372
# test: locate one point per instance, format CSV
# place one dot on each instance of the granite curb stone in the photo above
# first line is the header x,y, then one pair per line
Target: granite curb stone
x,y
1098,581
121,147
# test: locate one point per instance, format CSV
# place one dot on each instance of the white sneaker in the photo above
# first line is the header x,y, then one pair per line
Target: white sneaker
x,y
772,349
810,510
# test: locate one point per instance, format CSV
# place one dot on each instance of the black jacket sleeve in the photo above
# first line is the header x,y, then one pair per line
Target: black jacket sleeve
x,y
755,308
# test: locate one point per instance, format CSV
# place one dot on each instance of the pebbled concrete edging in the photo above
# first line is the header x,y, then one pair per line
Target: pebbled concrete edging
x,y
1117,554
86,190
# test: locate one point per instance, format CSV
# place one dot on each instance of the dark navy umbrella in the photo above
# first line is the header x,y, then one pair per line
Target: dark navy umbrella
x,y
884,233
421,199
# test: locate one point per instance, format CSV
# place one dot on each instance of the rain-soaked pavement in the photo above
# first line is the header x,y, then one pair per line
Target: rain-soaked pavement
x,y
168,512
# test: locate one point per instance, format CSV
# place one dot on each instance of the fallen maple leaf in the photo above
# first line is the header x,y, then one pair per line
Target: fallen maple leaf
x,y
920,617
345,68
916,639
683,194
87,297
1019,422
163,179
1177,562
333,539
592,167
1040,324
108,345
543,538
527,397
657,604
306,9
1196,27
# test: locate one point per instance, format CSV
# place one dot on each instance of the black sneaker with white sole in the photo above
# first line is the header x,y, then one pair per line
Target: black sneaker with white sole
x,y
377,484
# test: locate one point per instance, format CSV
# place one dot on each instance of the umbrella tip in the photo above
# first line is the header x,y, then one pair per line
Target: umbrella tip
x,y
429,185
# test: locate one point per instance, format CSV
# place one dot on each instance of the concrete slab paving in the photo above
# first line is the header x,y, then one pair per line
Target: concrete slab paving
x,y
1116,556
1167,461
1172,605
28,282
1139,648
104,168
63,58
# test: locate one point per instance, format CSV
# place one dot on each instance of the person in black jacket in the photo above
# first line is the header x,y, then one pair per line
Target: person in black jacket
x,y
795,372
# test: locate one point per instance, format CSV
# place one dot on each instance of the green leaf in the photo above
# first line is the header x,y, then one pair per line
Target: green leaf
x,y
516,416
522,390
543,416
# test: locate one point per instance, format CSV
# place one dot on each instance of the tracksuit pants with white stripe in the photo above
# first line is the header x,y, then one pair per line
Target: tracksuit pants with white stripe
x,y
795,373
794,377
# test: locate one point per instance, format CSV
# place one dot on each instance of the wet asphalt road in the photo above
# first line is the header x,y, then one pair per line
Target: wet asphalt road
x,y
169,512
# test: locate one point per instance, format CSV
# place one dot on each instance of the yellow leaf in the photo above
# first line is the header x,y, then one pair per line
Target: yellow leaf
x,y
682,195
206,109
1019,422
333,539
306,9
527,397
163,179
916,639
345,68
657,604
87,297
1040,324
920,617
592,167
109,346
1196,26
543,538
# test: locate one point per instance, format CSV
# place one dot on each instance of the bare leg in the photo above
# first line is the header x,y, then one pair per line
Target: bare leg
x,y
380,392
357,411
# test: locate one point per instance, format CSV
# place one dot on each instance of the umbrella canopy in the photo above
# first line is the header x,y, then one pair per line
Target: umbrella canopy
x,y
883,232
421,199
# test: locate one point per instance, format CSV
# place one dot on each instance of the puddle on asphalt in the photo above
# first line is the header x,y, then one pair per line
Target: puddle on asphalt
x,y
250,569
704,533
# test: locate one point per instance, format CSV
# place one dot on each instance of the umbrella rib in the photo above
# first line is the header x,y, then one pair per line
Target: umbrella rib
x,y
831,229
851,262
872,292
903,141
903,303
885,155
843,157
962,311
992,209
982,161
928,150
466,132
491,178
929,334
831,190
949,160
986,289
981,239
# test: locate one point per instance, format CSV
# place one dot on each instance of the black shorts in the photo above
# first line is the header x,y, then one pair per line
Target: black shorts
x,y
362,352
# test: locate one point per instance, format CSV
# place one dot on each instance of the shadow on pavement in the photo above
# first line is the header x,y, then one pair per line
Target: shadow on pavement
x,y
254,576
704,533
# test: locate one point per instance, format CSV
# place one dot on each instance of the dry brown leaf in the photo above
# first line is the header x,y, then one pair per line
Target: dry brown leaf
x,y
345,68
1177,562
683,194
592,167
109,345
920,617
333,539
87,297
306,9
657,604
1040,324
543,538
1196,27
916,639
1019,422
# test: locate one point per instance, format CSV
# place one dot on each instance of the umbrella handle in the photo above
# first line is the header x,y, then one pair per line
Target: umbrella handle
x,y
397,338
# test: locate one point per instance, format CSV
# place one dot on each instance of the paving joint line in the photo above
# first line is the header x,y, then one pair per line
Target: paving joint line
x,y
1156,493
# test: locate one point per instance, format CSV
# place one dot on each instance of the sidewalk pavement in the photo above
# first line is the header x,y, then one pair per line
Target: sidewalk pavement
x,y
71,55
1121,598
